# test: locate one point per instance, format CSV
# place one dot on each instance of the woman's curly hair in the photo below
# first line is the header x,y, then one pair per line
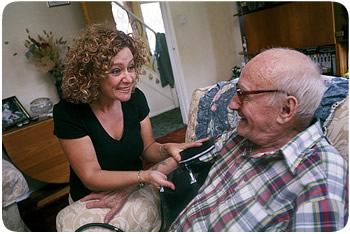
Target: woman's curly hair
x,y
90,58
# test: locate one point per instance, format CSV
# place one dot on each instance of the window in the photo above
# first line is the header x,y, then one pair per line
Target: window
x,y
149,13
152,17
121,18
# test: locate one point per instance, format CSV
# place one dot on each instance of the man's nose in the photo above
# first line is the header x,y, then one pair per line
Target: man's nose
x,y
234,103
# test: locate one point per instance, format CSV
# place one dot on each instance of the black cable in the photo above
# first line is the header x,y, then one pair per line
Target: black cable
x,y
104,225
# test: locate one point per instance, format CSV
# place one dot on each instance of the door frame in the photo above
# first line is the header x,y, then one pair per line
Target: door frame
x,y
175,60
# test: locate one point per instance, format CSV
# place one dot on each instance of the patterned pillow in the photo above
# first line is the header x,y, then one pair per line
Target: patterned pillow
x,y
141,213
14,189
193,112
337,131
337,90
333,113
14,185
214,116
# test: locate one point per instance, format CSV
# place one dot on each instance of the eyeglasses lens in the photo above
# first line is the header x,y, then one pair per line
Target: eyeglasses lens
x,y
239,94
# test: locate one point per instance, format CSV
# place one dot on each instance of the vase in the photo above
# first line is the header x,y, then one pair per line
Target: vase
x,y
58,84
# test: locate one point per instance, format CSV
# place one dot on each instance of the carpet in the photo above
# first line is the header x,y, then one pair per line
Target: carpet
x,y
166,123
177,136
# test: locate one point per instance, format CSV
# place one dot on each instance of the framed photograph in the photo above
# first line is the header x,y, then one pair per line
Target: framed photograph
x,y
57,3
13,113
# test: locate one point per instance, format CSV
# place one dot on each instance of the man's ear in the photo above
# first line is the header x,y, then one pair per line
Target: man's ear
x,y
288,110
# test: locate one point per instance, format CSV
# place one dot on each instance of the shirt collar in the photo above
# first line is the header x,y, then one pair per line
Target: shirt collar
x,y
294,151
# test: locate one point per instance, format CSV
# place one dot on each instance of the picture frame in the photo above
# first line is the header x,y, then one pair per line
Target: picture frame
x,y
57,3
13,113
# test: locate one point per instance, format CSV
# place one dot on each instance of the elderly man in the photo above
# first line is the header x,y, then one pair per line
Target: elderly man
x,y
276,172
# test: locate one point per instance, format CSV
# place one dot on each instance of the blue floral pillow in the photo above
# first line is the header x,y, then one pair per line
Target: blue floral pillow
x,y
214,116
337,90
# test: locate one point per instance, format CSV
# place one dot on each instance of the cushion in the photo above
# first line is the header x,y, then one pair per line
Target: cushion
x,y
141,213
337,131
192,114
12,219
14,186
337,90
214,116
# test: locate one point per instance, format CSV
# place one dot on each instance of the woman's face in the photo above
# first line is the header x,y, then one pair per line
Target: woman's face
x,y
121,78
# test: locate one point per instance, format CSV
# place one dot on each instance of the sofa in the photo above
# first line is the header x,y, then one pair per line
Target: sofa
x,y
208,116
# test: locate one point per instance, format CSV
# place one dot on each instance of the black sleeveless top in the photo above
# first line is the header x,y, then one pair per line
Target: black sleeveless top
x,y
74,121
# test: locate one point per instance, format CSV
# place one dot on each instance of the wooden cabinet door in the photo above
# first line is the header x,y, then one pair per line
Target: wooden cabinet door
x,y
36,152
293,25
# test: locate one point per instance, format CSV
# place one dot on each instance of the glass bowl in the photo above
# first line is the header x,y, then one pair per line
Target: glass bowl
x,y
41,106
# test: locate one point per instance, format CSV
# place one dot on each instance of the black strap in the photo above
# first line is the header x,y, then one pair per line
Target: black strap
x,y
104,225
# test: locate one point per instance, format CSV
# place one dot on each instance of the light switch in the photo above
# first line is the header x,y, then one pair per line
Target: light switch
x,y
182,19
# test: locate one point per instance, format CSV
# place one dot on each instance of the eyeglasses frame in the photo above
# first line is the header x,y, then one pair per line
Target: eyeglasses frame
x,y
242,94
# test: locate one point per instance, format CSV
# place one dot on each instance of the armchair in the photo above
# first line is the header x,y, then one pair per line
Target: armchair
x,y
209,114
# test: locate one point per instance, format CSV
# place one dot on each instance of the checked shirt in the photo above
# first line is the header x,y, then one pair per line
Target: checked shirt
x,y
301,187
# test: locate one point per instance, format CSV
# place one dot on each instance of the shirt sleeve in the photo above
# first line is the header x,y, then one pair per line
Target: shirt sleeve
x,y
140,99
319,216
66,124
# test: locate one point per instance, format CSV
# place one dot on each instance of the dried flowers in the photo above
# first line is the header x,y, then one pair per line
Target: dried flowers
x,y
46,52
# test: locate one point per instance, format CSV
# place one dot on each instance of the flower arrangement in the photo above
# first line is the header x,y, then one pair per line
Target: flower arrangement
x,y
45,50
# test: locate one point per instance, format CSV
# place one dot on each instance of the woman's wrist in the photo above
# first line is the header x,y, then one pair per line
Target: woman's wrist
x,y
140,181
163,152
166,166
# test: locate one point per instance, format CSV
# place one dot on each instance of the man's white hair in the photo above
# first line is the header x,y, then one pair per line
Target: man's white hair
x,y
298,76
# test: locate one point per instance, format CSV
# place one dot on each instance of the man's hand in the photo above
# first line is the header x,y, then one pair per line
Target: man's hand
x,y
114,200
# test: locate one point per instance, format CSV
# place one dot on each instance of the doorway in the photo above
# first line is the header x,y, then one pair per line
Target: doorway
x,y
150,18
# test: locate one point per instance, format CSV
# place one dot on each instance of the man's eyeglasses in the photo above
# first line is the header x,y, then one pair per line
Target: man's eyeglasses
x,y
243,94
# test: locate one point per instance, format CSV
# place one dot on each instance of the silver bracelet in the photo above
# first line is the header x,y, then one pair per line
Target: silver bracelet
x,y
139,183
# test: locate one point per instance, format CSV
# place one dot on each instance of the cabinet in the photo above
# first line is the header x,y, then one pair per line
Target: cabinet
x,y
36,152
299,25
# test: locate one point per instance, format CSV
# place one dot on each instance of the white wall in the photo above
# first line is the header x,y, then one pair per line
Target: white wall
x,y
226,37
20,77
160,99
208,42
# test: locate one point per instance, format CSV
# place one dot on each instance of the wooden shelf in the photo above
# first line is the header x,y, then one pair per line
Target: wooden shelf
x,y
297,25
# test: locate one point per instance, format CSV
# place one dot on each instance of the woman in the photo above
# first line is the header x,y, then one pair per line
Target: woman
x,y
103,124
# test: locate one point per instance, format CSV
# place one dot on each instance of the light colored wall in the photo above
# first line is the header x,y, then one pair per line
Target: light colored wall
x,y
20,77
226,37
208,41
160,99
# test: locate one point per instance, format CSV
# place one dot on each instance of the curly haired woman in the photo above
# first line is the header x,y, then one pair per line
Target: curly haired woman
x,y
103,124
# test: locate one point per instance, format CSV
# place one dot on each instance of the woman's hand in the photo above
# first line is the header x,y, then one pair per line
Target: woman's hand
x,y
114,200
174,149
156,178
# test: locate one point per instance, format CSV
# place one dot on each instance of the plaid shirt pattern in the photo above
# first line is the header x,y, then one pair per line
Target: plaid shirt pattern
x,y
301,187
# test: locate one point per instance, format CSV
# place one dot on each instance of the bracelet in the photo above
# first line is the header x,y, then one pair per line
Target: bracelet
x,y
139,183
